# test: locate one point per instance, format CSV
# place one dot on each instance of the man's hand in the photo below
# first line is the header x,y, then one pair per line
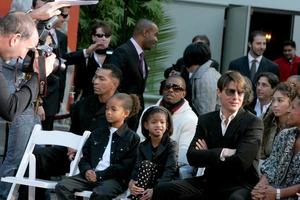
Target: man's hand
x,y
201,144
228,152
135,190
47,11
90,176
41,113
49,63
71,154
147,195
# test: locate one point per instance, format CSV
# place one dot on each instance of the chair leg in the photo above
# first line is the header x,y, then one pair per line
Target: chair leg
x,y
31,193
32,175
13,192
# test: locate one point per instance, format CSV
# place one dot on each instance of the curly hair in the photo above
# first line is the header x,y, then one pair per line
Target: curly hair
x,y
131,102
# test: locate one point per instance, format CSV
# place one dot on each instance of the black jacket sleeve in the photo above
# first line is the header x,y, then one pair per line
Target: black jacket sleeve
x,y
249,129
12,105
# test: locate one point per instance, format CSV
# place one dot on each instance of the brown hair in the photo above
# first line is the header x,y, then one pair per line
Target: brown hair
x,y
131,102
229,76
286,89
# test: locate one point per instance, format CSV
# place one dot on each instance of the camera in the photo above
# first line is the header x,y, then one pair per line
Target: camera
x,y
43,49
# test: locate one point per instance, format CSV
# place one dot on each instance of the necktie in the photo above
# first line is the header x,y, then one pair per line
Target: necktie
x,y
253,69
141,64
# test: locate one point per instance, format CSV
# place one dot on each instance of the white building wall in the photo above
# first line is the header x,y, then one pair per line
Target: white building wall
x,y
191,19
292,5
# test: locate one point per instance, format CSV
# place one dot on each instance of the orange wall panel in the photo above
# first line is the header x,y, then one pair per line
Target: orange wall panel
x,y
73,27
5,7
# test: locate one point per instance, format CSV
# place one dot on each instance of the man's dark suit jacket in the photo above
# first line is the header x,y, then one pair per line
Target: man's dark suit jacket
x,y
244,134
56,80
87,114
127,59
123,153
242,65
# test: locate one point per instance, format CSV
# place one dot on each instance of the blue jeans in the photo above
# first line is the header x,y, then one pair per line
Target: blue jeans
x,y
186,171
19,132
18,136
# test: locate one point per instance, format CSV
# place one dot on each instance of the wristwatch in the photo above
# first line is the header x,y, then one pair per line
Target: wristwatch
x,y
277,193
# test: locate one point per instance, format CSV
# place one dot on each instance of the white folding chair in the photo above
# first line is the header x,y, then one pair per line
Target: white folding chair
x,y
41,137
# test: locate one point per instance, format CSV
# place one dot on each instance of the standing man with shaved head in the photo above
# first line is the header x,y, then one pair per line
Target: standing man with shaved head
x,y
129,57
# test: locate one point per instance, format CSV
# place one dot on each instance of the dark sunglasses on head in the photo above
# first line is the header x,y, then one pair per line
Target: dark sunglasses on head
x,y
175,87
232,92
100,35
64,15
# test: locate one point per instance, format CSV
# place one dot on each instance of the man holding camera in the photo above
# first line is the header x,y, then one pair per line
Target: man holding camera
x,y
18,35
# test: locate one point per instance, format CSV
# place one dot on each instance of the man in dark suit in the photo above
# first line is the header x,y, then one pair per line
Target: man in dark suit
x,y
55,81
226,143
254,63
129,57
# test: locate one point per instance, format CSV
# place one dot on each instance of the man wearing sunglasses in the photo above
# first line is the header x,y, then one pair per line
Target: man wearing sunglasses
x,y
56,81
226,143
184,120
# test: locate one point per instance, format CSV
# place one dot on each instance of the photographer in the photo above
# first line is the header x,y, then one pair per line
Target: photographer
x,y
18,35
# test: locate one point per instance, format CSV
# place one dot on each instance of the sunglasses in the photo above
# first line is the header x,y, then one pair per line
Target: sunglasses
x,y
100,35
64,15
232,92
176,88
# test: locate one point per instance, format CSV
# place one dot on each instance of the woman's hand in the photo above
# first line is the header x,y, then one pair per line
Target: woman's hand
x,y
135,190
147,194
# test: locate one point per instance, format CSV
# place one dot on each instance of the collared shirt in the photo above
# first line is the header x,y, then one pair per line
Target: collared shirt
x,y
97,59
225,122
250,59
105,161
94,55
138,48
261,109
139,51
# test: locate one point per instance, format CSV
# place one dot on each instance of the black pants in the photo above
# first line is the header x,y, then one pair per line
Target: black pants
x,y
197,188
50,161
103,190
